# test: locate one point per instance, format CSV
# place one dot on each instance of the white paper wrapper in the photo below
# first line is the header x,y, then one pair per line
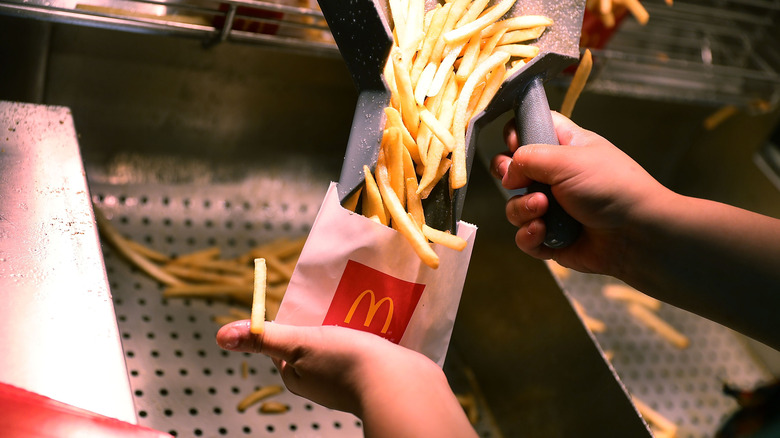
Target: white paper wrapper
x,y
357,273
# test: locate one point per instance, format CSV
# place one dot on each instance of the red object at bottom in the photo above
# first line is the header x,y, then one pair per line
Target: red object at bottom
x,y
25,414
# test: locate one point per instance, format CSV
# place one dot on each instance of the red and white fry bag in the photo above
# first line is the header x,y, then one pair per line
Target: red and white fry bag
x,y
356,273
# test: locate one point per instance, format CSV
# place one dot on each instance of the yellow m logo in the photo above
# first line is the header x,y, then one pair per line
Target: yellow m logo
x,y
373,306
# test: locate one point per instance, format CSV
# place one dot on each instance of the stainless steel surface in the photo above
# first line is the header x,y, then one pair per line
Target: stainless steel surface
x,y
685,385
693,51
58,333
292,25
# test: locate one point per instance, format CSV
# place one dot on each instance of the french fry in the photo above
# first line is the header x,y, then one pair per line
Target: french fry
x,y
439,129
257,319
630,295
443,238
637,10
474,10
274,407
466,31
395,163
429,42
199,275
203,254
394,119
493,83
120,244
274,263
577,84
593,324
456,12
257,396
351,202
372,202
458,169
721,115
405,225
516,23
241,293
424,83
445,68
516,66
655,418
147,252
490,45
409,112
521,35
414,202
519,50
469,59
444,166
658,325
214,265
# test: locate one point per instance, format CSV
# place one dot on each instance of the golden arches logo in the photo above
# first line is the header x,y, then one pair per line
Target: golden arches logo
x,y
373,306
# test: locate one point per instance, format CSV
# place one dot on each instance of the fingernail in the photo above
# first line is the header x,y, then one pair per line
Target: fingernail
x,y
230,341
532,204
502,167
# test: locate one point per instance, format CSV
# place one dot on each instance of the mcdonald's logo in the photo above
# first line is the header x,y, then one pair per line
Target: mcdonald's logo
x,y
373,306
370,300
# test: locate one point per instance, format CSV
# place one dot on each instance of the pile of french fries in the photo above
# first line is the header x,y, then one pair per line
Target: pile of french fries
x,y
205,274
445,66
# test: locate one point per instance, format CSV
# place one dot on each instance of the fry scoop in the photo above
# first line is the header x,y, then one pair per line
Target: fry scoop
x,y
362,33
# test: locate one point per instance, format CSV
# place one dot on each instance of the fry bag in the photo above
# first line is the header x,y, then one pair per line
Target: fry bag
x,y
356,273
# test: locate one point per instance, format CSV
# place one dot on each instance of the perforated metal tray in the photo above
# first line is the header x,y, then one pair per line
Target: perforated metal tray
x,y
183,383
685,385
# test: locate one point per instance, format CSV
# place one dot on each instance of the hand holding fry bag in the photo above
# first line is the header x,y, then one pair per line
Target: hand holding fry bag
x,y
355,272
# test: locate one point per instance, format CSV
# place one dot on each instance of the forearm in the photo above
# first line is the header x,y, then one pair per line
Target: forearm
x,y
424,407
712,259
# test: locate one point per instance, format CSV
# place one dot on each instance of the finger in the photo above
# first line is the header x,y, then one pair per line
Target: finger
x,y
510,136
236,336
530,239
565,129
284,342
543,163
499,165
523,209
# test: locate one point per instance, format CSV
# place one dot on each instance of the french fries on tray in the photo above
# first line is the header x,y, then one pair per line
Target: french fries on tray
x,y
445,66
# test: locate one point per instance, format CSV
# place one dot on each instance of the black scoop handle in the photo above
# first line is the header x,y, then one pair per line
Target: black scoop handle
x,y
535,126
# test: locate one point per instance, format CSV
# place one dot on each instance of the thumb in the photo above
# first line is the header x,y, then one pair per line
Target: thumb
x,y
546,163
278,340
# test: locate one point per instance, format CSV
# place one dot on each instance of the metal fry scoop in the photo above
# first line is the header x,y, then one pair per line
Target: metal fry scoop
x,y
363,35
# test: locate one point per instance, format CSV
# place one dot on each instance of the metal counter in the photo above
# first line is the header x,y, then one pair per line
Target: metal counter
x,y
58,333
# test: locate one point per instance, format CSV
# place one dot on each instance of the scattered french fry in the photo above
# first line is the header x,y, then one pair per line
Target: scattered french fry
x,y
721,115
147,252
630,295
259,395
658,325
274,407
120,244
654,418
577,84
